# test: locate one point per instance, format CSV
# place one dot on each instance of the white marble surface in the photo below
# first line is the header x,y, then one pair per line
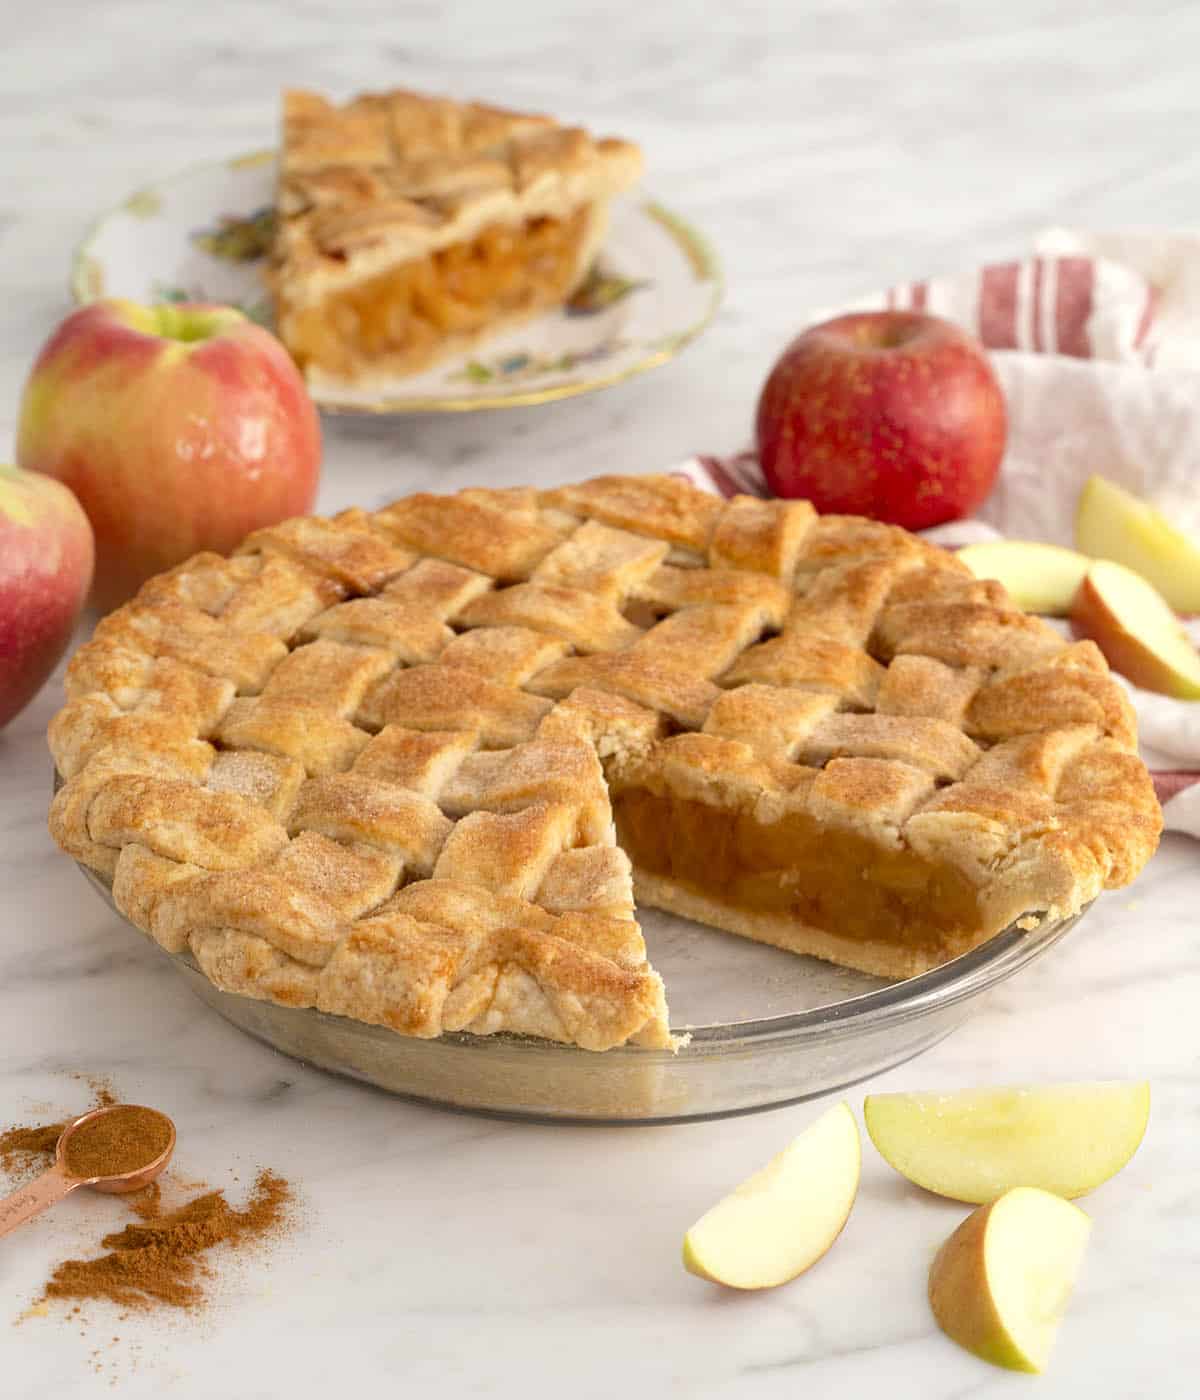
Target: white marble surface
x,y
826,149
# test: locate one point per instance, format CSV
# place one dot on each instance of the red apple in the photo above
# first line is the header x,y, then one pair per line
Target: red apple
x,y
179,427
45,573
892,414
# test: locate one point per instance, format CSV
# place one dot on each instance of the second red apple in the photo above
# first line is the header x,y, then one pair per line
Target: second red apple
x,y
180,428
45,570
892,414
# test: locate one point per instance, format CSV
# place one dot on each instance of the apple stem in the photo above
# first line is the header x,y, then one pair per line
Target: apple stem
x,y
187,323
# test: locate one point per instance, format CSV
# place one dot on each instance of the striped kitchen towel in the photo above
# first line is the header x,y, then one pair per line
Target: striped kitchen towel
x,y
1073,331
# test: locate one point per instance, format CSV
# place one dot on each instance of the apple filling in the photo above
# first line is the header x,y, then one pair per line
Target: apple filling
x,y
399,316
833,880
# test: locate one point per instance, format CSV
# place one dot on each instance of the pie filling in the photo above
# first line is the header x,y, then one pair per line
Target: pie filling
x,y
459,290
837,881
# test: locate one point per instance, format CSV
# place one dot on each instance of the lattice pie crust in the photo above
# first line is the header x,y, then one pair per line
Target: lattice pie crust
x,y
374,764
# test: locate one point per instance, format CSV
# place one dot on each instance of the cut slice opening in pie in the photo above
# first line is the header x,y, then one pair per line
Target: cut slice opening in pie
x,y
412,766
409,227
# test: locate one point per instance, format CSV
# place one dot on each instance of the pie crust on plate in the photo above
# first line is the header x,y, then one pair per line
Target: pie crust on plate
x,y
413,766
411,227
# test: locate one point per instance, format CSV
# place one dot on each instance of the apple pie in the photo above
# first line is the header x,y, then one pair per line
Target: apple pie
x,y
410,227
413,766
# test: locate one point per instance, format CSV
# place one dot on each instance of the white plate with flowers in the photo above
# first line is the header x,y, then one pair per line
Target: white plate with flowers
x,y
203,235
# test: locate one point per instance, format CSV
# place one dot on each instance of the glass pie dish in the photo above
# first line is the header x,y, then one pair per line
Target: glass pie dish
x,y
766,1028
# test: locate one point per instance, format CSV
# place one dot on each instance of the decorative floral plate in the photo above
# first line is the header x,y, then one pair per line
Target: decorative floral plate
x,y
202,235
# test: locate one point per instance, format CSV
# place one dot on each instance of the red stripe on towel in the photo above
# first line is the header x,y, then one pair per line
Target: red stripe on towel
x,y
1073,306
1039,272
1168,785
724,483
1148,313
998,306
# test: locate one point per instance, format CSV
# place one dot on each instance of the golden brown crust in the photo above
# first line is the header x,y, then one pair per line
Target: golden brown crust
x,y
366,764
390,179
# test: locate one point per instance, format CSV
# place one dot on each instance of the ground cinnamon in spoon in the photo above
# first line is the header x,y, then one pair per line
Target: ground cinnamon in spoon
x,y
156,1263
21,1147
124,1139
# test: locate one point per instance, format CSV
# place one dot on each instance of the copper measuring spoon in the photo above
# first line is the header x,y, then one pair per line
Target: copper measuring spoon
x,y
49,1188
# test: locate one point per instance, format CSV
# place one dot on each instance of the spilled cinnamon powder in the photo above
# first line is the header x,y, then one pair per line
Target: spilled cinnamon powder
x,y
101,1087
157,1262
21,1147
160,1262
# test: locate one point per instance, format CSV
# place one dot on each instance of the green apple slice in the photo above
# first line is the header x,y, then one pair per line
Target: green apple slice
x,y
1000,1284
1041,578
783,1219
1111,523
975,1144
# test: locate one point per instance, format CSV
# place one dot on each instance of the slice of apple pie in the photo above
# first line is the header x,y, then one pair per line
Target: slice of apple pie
x,y
410,227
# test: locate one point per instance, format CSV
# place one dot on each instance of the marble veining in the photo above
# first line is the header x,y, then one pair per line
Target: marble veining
x,y
826,148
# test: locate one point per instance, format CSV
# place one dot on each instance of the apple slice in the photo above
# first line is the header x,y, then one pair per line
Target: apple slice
x,y
1000,1284
1111,523
976,1144
1041,578
784,1218
1132,624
